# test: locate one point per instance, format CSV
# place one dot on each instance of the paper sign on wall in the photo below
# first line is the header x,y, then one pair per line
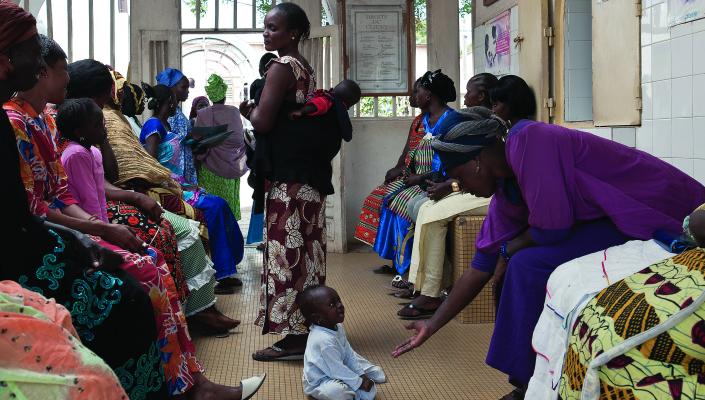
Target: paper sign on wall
x,y
682,11
497,45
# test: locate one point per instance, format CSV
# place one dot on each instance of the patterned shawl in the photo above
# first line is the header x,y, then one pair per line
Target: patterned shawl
x,y
133,160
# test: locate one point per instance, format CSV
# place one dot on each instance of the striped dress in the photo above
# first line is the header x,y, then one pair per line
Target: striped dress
x,y
423,157
368,223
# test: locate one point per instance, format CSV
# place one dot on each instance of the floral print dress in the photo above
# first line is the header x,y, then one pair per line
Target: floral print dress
x,y
295,238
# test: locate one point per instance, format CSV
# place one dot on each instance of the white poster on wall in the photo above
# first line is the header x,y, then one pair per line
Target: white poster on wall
x,y
682,11
497,45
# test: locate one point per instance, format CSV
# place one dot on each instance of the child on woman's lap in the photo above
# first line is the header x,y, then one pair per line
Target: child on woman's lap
x,y
332,369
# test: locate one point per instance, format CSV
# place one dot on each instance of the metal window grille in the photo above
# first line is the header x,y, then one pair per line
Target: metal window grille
x,y
384,107
65,12
240,16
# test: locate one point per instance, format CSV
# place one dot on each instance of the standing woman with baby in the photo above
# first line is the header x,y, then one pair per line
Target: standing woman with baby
x,y
295,186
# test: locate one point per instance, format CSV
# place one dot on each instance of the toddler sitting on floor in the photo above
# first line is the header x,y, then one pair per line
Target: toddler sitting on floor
x,y
332,369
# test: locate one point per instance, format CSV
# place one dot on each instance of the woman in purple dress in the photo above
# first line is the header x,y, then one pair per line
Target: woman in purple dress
x,y
559,194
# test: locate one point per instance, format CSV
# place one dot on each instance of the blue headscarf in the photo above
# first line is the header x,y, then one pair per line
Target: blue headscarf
x,y
169,77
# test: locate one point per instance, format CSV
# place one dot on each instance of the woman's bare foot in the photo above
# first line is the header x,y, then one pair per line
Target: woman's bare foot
x,y
203,389
211,322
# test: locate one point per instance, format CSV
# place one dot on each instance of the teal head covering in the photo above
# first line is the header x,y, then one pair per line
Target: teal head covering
x,y
216,88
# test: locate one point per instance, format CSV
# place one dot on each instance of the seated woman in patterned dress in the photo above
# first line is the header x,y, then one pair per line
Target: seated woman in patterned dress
x,y
644,336
48,196
80,122
137,170
395,232
104,303
157,137
366,230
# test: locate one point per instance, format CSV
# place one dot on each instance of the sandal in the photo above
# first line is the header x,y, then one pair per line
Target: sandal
x,y
516,394
230,282
422,313
385,270
283,356
407,294
399,283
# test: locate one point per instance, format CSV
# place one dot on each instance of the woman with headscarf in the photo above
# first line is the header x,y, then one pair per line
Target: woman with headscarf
x,y
199,103
179,85
222,166
294,157
133,105
47,191
368,224
77,265
160,141
559,194
91,79
395,233
432,211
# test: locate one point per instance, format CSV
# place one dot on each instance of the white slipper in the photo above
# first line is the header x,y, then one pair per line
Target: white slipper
x,y
250,386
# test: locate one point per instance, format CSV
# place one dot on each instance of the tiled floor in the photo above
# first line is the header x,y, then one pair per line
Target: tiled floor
x,y
449,366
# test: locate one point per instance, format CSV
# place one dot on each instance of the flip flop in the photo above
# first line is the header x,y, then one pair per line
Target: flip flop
x,y
250,386
423,313
385,270
287,357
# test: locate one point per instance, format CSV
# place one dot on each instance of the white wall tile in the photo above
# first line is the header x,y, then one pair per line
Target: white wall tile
x,y
661,60
699,138
698,25
699,53
682,135
682,56
578,6
662,99
579,26
625,136
644,136
699,170
514,19
646,27
681,30
646,73
659,23
682,97
684,164
699,95
579,54
662,138
605,133
647,101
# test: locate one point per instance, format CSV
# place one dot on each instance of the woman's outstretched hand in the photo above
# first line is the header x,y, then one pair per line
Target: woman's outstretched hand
x,y
421,334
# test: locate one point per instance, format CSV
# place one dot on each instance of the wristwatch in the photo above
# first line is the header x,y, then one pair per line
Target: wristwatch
x,y
455,186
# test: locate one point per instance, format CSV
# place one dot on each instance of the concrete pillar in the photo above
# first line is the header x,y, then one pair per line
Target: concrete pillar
x,y
444,41
156,22
313,10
